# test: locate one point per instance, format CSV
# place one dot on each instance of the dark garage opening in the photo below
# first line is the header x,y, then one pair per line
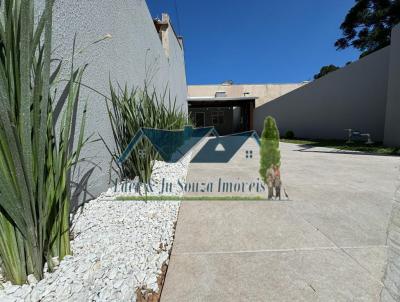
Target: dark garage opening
x,y
227,115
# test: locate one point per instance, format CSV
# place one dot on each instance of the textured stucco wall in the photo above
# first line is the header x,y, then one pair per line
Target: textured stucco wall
x,y
264,92
352,97
392,127
134,50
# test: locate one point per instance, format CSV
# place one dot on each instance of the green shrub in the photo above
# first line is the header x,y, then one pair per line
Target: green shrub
x,y
140,108
289,134
269,151
35,160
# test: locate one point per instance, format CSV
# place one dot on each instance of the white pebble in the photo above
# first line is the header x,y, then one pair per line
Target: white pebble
x,y
117,249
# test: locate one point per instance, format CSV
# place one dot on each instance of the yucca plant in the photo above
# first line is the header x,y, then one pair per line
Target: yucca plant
x,y
130,110
35,159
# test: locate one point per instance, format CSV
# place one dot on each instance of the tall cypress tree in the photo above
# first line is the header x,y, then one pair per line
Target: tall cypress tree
x,y
269,151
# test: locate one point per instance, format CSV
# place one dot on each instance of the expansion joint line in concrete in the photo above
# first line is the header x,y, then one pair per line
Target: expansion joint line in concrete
x,y
344,250
307,249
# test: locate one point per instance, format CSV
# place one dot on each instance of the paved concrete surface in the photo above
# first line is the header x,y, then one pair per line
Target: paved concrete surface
x,y
237,170
327,244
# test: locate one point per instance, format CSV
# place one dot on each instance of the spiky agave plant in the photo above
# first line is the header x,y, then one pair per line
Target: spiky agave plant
x,y
130,110
35,161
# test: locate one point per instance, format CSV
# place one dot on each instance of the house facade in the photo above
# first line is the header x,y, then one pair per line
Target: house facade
x,y
230,108
227,114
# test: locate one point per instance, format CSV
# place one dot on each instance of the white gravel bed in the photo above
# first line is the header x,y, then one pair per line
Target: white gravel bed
x,y
163,173
118,248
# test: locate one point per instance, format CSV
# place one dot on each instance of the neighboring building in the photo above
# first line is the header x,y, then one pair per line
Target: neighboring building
x,y
140,49
263,92
230,108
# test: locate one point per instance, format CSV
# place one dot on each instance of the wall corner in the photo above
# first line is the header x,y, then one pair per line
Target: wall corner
x,y
392,119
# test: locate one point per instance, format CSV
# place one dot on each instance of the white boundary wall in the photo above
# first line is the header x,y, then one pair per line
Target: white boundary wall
x,y
135,47
392,127
363,96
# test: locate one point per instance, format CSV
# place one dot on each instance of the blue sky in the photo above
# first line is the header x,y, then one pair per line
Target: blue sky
x,y
257,41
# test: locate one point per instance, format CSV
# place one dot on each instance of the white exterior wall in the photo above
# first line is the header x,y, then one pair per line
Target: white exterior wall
x,y
351,97
392,127
364,96
135,47
391,280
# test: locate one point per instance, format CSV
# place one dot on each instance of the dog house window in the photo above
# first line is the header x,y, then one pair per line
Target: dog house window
x,y
217,117
249,154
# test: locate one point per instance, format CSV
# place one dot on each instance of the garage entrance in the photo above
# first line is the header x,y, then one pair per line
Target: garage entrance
x,y
227,115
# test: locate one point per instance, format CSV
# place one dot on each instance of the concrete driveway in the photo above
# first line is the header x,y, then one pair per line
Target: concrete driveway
x,y
327,244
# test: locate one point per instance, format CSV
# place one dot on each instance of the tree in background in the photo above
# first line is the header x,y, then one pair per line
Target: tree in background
x,y
325,70
270,156
368,25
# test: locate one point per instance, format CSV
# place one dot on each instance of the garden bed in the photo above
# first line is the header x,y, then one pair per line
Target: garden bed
x,y
121,249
